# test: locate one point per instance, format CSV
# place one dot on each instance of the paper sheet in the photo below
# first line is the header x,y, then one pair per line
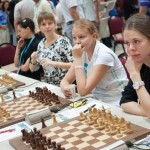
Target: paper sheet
x,y
13,131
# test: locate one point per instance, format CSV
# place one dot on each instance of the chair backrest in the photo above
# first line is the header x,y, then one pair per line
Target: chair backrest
x,y
123,59
7,53
115,25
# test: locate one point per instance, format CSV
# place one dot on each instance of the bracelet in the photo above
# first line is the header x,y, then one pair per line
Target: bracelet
x,y
78,67
31,62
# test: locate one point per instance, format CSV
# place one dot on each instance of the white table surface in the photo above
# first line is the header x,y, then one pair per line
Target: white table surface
x,y
31,83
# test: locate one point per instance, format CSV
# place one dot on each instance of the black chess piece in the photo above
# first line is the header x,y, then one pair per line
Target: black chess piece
x,y
14,94
43,123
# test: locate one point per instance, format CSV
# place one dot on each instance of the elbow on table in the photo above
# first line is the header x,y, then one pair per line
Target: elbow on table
x,y
83,92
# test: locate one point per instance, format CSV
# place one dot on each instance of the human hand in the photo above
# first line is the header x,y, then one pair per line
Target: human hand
x,y
47,62
20,43
132,66
67,93
77,51
34,56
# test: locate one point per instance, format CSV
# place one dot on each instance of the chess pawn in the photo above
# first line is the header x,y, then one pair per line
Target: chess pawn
x,y
1,118
122,124
8,116
96,123
113,131
43,123
90,121
109,116
82,117
116,120
100,123
2,98
128,128
106,127
119,135
14,94
54,118
94,112
90,111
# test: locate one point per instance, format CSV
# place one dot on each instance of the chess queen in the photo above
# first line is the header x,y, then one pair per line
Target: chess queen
x,y
96,68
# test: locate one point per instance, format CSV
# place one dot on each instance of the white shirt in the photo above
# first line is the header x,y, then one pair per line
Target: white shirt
x,y
66,5
113,82
89,10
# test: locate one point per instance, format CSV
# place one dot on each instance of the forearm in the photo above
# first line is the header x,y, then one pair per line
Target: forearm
x,y
62,65
33,64
80,78
143,95
25,67
128,107
74,13
17,57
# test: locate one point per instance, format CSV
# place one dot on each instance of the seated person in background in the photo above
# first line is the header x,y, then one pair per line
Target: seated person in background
x,y
26,45
135,98
54,51
96,68
144,7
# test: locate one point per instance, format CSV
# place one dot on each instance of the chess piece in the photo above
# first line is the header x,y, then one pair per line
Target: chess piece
x,y
113,130
54,118
14,94
119,134
106,127
122,124
43,123
100,123
82,117
128,128
2,98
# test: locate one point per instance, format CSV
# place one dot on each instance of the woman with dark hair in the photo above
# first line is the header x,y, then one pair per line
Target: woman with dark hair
x,y
26,45
4,38
136,96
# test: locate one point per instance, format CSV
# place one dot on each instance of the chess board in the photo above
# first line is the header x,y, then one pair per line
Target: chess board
x,y
19,107
15,83
75,134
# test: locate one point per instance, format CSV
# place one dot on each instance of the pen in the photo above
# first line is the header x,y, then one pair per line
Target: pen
x,y
9,130
90,106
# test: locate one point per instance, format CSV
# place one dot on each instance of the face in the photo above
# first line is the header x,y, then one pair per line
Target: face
x,y
6,5
47,27
138,45
81,36
22,32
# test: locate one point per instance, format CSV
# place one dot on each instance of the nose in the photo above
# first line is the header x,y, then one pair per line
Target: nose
x,y
77,41
131,47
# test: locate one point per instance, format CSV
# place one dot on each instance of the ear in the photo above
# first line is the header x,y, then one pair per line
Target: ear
x,y
95,35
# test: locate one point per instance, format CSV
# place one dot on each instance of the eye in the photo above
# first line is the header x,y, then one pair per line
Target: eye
x,y
127,43
136,41
82,36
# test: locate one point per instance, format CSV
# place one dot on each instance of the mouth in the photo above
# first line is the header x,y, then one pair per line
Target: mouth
x,y
135,56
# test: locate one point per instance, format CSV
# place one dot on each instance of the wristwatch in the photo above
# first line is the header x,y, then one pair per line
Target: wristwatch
x,y
137,85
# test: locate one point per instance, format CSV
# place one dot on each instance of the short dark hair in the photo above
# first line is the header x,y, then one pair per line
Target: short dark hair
x,y
27,23
140,23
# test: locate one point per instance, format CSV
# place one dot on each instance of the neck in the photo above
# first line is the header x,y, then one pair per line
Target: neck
x,y
52,37
30,35
91,50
